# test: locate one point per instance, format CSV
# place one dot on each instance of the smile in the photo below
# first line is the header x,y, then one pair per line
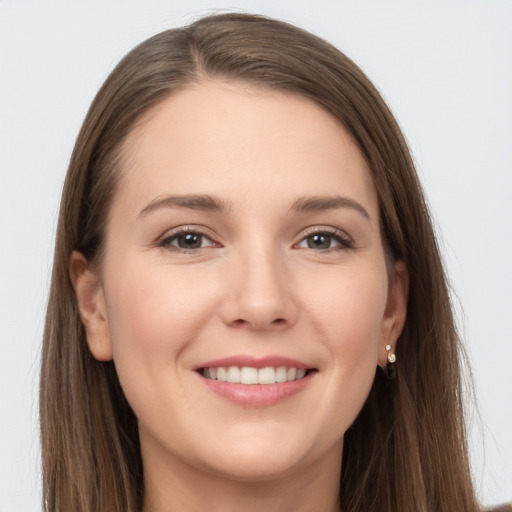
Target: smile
x,y
252,375
256,382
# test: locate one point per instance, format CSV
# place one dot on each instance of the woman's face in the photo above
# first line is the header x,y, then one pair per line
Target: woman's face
x,y
243,243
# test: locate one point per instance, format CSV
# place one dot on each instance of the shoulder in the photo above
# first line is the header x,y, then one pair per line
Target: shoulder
x,y
507,507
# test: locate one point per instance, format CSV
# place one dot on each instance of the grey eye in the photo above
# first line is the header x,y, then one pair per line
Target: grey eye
x,y
325,240
189,241
319,241
186,241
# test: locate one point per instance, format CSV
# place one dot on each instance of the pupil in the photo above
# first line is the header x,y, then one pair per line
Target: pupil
x,y
319,242
190,241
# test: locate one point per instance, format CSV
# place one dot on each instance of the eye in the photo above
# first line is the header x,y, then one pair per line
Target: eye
x,y
186,240
324,240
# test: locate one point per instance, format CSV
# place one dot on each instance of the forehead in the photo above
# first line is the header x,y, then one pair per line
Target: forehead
x,y
233,139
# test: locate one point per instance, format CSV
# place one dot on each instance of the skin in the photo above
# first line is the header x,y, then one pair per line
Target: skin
x,y
257,285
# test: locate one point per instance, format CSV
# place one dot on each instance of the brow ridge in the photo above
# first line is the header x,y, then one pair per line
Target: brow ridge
x,y
202,202
206,202
322,203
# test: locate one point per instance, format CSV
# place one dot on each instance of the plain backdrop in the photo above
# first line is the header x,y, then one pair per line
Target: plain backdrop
x,y
444,67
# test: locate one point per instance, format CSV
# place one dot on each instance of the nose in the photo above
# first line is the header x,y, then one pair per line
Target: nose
x,y
259,293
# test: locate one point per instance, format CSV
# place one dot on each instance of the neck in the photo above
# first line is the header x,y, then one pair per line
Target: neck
x,y
173,485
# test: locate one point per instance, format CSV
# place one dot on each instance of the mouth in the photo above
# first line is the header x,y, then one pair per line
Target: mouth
x,y
256,382
252,375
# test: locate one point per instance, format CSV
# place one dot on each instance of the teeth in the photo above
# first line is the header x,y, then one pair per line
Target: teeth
x,y
250,375
266,376
233,374
281,374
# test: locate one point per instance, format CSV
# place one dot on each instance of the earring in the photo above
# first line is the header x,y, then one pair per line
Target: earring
x,y
391,355
390,370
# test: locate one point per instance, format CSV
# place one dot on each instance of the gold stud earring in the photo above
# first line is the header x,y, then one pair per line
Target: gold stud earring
x,y
391,355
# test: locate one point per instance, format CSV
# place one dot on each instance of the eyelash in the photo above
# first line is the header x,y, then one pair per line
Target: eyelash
x,y
342,239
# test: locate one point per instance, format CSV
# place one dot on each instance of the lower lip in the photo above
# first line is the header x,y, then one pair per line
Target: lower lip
x,y
257,395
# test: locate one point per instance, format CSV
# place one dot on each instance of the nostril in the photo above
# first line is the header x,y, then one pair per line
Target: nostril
x,y
239,323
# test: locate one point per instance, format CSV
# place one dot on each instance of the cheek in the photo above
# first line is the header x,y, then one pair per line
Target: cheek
x,y
154,314
153,317
354,337
348,313
349,307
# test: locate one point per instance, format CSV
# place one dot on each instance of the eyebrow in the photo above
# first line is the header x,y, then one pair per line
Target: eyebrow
x,y
322,203
214,204
192,202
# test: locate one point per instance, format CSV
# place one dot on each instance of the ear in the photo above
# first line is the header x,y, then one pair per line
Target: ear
x,y
91,305
396,310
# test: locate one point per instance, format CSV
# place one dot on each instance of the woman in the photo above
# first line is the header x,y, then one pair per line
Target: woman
x,y
248,309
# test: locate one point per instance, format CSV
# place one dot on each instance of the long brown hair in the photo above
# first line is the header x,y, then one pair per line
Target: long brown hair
x,y
406,451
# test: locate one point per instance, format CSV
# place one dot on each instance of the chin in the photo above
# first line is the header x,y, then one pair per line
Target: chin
x,y
256,467
263,454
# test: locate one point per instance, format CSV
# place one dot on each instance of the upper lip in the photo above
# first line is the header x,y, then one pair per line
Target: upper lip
x,y
254,362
